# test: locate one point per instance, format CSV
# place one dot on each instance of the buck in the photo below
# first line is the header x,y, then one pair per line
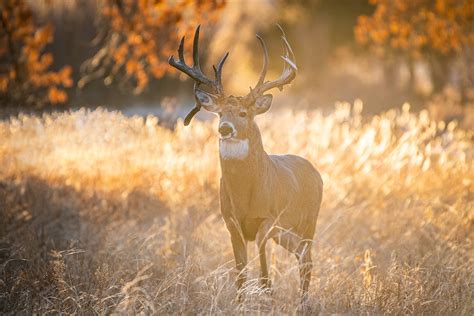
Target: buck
x,y
262,196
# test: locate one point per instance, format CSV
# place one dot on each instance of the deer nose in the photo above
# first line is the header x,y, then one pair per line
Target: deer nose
x,y
225,129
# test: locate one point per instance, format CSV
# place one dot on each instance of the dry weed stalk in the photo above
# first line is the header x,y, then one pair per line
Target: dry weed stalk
x,y
129,194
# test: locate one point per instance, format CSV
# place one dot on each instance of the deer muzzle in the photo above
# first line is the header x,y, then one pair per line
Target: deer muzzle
x,y
227,130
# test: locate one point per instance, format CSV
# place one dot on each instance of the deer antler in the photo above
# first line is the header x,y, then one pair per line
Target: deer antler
x,y
287,75
196,73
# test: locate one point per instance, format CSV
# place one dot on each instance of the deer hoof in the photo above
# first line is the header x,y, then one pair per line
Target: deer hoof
x,y
303,305
266,285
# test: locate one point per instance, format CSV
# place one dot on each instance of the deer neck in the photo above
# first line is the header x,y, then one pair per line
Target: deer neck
x,y
245,171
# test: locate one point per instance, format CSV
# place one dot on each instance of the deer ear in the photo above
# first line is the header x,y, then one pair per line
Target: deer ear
x,y
263,103
206,100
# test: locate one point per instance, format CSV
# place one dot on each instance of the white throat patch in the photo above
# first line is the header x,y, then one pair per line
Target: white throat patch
x,y
234,148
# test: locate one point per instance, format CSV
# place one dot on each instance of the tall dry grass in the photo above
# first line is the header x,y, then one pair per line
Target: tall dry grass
x,y
101,213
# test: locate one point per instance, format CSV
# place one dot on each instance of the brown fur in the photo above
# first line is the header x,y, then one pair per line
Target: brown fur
x,y
269,196
262,196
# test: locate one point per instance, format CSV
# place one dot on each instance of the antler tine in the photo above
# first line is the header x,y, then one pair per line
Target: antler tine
x,y
289,60
263,73
288,49
286,44
181,50
196,48
218,72
190,115
288,73
195,110
289,57
194,71
285,47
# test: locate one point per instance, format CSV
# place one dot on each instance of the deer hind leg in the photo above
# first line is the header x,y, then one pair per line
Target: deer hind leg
x,y
303,254
302,250
265,232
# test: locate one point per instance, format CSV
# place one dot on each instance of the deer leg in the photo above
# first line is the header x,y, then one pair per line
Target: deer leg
x,y
302,250
303,254
265,231
239,246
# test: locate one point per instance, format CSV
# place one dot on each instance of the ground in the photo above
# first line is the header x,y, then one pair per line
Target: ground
x,y
101,213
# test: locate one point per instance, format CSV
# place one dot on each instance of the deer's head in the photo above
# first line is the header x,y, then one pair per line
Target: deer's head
x,y
236,114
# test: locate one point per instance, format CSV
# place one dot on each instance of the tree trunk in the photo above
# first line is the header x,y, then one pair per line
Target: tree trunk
x,y
439,68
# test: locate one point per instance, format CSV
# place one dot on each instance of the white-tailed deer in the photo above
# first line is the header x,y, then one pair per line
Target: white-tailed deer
x,y
262,196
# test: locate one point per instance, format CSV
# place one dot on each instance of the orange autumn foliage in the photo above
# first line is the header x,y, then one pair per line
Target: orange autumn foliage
x,y
136,38
415,27
25,75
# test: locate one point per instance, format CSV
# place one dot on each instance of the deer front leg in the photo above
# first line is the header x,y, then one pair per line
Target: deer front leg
x,y
239,246
265,231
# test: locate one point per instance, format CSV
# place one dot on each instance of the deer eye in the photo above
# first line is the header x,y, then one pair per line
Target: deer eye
x,y
242,114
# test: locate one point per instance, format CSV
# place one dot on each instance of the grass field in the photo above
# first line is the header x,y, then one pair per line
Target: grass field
x,y
100,213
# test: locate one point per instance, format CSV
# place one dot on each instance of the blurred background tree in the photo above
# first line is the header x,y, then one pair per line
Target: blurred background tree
x,y
434,31
135,38
26,77
380,51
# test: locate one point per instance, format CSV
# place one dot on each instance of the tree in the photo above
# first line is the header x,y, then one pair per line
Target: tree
x,y
136,38
436,30
25,75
